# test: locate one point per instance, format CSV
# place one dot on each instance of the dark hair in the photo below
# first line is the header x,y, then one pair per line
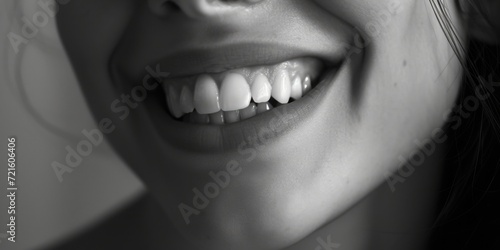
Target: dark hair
x,y
468,211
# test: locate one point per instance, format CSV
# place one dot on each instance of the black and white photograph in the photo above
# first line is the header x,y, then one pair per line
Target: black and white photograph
x,y
250,124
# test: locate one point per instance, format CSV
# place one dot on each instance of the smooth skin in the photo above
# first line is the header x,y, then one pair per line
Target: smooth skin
x,y
329,172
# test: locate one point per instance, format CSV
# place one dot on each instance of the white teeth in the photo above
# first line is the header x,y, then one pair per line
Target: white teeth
x,y
296,88
173,102
234,93
306,85
248,112
186,100
282,87
261,89
232,116
239,94
263,107
206,95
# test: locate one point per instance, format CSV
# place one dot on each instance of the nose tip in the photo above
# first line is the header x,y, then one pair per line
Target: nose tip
x,y
198,9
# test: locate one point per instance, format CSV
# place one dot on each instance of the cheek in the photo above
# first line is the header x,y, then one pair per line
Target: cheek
x,y
409,82
409,75
89,36
361,13
91,29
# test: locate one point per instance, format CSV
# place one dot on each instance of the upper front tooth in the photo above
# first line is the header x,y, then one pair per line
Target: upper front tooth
x,y
296,88
234,93
261,89
173,102
186,100
206,95
281,87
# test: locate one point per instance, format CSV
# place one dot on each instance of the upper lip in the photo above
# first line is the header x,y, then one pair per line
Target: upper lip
x,y
216,59
220,59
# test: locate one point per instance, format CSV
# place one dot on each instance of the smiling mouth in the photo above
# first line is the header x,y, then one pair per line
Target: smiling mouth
x,y
240,94
215,101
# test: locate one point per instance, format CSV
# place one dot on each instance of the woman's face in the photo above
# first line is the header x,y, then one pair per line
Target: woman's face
x,y
382,72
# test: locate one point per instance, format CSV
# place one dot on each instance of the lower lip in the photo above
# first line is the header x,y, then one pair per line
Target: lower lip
x,y
201,138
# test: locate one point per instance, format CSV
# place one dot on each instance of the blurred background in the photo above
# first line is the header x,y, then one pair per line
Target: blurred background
x,y
43,107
